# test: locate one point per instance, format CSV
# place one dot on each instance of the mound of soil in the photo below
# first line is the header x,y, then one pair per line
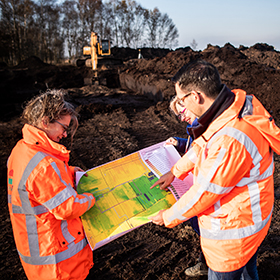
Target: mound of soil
x,y
116,121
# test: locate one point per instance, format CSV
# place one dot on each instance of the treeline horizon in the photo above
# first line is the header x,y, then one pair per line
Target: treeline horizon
x,y
55,30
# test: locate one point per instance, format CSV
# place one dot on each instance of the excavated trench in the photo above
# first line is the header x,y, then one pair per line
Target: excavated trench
x,y
142,86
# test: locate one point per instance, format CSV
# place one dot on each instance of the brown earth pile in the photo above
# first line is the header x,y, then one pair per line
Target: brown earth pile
x,y
127,115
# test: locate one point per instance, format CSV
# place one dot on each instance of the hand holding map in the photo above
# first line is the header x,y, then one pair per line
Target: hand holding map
x,y
124,199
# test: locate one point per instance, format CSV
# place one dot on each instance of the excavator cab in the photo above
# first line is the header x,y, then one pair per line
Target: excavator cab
x,y
105,47
96,55
97,49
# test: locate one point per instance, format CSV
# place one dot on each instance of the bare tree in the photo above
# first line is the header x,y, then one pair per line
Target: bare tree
x,y
70,25
47,25
84,28
10,18
134,24
161,30
168,33
110,15
89,12
27,24
193,44
92,15
40,24
43,28
53,48
106,22
153,18
120,11
122,22
6,33
139,25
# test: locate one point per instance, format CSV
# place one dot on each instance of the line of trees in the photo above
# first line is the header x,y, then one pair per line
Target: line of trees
x,y
53,30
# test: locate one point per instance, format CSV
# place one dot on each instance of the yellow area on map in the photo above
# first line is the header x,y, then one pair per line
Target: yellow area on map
x,y
124,199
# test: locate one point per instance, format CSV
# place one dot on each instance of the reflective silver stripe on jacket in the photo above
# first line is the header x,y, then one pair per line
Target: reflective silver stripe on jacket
x,y
30,219
251,182
72,250
207,186
84,200
65,232
234,233
37,210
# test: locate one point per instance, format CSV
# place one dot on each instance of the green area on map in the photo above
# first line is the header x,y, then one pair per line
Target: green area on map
x,y
121,205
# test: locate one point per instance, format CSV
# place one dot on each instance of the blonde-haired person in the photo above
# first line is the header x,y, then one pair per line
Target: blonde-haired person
x,y
44,207
184,115
182,145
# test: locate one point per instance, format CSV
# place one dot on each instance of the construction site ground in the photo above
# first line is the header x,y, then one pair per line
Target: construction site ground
x,y
125,113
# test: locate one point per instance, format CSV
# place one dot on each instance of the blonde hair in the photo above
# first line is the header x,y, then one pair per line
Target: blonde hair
x,y
172,106
50,105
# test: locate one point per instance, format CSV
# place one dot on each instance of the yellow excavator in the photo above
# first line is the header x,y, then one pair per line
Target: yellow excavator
x,y
97,50
95,55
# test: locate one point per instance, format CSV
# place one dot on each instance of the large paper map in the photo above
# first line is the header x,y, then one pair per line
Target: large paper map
x,y
124,200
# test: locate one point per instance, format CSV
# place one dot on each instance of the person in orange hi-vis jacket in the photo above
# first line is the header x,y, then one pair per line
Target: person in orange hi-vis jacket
x,y
231,159
44,206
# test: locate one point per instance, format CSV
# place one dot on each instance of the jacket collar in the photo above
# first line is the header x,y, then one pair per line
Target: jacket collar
x,y
37,137
221,103
224,113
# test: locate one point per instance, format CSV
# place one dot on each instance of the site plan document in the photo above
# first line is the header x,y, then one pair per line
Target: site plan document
x,y
124,200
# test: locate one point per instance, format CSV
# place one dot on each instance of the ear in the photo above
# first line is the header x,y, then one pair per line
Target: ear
x,y
197,97
45,122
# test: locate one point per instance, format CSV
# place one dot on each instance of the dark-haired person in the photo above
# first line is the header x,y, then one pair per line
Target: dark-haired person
x,y
43,204
232,162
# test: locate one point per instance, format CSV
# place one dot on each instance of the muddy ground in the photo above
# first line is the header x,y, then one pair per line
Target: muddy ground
x,y
129,114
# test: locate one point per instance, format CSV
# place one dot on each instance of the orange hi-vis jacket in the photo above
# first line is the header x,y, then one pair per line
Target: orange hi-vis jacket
x,y
45,209
233,190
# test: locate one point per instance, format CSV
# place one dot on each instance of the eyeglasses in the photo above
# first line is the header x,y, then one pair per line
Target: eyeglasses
x,y
181,114
181,100
65,127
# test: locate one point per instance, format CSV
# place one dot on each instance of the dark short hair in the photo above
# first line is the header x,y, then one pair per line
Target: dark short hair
x,y
199,75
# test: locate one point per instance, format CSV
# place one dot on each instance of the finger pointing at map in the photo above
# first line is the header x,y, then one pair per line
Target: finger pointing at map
x,y
164,181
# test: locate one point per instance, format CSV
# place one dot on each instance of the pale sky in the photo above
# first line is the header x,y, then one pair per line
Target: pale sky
x,y
217,22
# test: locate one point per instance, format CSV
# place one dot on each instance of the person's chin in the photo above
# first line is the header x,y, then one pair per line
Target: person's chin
x,y
56,140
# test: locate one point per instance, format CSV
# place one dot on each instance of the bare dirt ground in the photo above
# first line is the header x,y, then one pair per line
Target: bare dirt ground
x,y
129,114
